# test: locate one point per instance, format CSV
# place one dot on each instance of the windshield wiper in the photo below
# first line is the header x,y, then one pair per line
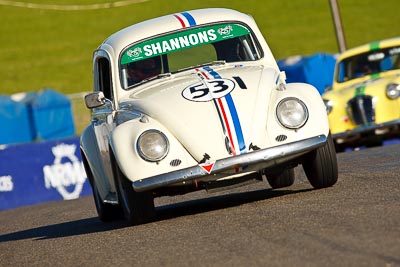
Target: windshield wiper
x,y
161,75
215,62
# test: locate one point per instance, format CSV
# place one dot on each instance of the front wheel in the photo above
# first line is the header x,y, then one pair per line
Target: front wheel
x,y
320,166
106,212
138,207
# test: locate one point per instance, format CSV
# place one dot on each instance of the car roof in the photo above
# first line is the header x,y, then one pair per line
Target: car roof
x,y
369,47
121,39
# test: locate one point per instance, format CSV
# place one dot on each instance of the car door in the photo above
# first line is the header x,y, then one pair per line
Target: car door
x,y
102,120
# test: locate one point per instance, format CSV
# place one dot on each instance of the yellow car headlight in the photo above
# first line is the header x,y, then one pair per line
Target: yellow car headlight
x,y
393,90
328,105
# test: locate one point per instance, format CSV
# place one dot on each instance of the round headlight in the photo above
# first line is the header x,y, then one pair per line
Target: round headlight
x,y
152,145
292,113
328,105
393,90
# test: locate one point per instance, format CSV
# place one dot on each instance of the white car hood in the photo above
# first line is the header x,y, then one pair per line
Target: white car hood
x,y
207,123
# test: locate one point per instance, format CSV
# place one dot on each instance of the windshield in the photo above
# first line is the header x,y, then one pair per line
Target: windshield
x,y
369,63
185,49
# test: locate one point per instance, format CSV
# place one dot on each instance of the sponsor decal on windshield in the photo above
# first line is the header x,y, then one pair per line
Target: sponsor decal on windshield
x,y
182,40
394,51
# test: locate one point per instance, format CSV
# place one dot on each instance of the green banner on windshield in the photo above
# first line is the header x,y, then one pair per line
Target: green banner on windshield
x,y
182,40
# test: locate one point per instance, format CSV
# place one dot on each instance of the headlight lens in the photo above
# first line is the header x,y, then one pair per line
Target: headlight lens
x,y
152,145
292,113
328,105
393,90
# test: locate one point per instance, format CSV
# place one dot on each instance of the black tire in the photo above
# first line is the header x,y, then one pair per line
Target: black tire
x,y
106,212
138,207
374,141
283,179
339,148
320,166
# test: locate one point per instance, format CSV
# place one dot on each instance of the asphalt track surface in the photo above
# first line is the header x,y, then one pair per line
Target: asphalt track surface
x,y
354,223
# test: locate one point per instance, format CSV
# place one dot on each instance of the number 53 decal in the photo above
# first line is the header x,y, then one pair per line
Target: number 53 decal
x,y
208,90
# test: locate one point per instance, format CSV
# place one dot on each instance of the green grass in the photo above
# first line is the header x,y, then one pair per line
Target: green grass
x,y
53,49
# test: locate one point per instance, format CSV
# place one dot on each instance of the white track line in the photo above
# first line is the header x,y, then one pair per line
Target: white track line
x,y
71,7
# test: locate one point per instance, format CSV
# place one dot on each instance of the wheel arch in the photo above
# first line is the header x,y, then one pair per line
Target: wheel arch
x,y
93,163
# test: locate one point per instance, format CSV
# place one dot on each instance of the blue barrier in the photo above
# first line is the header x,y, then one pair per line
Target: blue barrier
x,y
15,121
40,172
316,69
43,115
52,115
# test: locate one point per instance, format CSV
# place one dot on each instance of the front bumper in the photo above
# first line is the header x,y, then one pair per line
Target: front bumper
x,y
364,129
252,161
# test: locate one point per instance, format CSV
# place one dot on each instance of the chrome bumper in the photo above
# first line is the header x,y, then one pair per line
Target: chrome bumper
x,y
268,157
367,128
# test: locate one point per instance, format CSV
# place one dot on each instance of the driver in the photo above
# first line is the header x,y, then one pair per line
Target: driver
x,y
143,69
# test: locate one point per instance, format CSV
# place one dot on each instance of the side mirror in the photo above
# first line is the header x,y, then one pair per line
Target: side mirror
x,y
94,100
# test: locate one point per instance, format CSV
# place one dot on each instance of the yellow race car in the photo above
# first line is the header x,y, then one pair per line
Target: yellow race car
x,y
363,105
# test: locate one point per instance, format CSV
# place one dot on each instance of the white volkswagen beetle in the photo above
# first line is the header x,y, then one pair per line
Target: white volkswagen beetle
x,y
192,101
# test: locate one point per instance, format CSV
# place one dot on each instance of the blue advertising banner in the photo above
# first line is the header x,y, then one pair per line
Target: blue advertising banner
x,y
40,172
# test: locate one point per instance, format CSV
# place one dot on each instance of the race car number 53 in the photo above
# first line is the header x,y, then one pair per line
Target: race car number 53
x,y
208,90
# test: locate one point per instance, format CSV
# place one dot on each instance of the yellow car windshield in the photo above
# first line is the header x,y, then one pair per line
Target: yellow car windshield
x,y
369,63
